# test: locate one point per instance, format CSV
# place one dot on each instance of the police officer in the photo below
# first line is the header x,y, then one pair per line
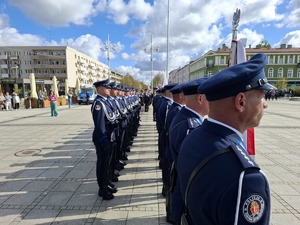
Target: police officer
x,y
147,100
178,102
187,119
220,182
166,102
104,125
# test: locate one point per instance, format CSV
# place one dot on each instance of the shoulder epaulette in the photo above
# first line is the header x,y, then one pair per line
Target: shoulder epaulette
x,y
193,123
245,160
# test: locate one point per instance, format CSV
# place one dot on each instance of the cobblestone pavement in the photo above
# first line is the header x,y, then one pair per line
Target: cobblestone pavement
x,y
47,169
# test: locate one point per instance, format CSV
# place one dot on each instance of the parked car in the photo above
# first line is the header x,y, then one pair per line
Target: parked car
x,y
81,98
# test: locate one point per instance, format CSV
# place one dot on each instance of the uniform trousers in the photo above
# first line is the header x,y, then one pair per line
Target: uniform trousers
x,y
103,152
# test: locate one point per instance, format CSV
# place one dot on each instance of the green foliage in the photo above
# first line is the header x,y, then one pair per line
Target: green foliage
x,y
18,90
129,81
282,84
158,80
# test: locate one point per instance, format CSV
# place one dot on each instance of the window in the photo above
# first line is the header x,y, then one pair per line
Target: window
x,y
298,73
280,72
271,61
290,60
270,72
280,60
290,73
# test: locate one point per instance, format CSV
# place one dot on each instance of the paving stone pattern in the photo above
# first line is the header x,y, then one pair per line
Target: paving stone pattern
x,y
53,180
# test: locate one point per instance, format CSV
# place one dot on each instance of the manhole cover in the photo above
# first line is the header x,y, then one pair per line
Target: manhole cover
x,y
27,152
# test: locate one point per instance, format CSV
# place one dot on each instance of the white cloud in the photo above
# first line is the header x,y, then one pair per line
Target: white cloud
x,y
293,18
120,12
291,38
87,44
11,37
58,13
4,21
196,26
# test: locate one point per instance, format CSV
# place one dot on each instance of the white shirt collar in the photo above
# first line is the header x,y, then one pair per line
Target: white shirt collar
x,y
188,108
225,125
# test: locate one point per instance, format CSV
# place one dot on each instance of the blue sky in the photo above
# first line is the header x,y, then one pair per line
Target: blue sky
x,y
196,26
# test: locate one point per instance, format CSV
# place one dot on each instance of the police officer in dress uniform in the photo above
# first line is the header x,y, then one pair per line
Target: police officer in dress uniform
x,y
103,137
147,100
222,185
166,102
188,118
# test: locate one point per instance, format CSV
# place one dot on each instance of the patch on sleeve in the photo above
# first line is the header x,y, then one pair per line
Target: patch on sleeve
x,y
97,107
253,208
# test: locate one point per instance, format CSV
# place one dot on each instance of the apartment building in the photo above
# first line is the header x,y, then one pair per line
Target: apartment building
x,y
283,63
180,75
18,62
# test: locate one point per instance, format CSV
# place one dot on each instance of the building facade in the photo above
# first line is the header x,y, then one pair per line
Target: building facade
x,y
180,75
63,62
283,63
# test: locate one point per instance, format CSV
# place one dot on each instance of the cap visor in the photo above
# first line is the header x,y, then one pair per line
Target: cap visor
x,y
267,87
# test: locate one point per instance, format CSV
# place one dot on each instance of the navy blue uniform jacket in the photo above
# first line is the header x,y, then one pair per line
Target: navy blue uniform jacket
x,y
103,118
213,195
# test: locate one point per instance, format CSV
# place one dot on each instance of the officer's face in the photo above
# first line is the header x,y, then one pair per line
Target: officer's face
x,y
254,105
104,91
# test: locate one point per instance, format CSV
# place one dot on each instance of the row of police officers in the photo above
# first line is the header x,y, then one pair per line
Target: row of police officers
x,y
208,176
115,113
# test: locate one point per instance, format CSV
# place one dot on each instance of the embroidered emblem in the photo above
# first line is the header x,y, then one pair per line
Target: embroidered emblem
x,y
253,208
97,107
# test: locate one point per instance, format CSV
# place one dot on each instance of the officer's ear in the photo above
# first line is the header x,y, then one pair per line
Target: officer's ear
x,y
240,102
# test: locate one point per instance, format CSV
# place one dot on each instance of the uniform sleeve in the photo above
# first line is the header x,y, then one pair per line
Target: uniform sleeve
x,y
252,200
99,122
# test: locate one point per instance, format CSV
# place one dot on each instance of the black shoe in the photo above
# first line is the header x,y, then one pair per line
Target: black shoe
x,y
117,173
124,157
112,189
111,184
119,167
163,192
105,194
122,163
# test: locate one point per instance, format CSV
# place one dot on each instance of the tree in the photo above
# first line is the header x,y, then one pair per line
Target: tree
x,y
282,84
129,81
264,44
158,80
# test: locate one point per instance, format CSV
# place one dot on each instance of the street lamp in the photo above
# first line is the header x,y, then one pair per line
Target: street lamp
x,y
108,47
150,47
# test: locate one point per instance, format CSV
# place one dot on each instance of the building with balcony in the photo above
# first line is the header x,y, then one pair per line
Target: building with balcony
x,y
63,62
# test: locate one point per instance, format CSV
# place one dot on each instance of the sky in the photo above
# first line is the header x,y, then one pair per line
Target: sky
x,y
195,27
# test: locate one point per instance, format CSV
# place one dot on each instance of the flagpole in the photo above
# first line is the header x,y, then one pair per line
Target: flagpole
x,y
238,56
168,27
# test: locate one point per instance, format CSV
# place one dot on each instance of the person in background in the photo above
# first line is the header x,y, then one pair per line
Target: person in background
x,y
87,98
53,103
41,99
2,101
8,101
70,94
16,101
